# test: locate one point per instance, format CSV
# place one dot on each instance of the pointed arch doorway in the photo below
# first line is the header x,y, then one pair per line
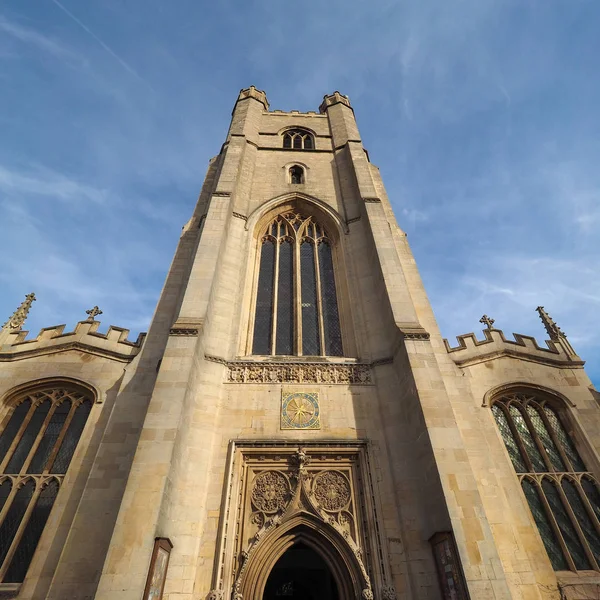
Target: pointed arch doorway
x,y
301,574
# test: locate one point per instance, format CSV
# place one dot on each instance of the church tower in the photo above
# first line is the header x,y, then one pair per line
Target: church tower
x,y
293,424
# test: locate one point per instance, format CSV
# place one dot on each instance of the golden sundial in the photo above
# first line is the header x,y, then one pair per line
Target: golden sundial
x,y
300,410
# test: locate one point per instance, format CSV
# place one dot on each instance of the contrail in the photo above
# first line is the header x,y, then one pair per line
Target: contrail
x,y
107,48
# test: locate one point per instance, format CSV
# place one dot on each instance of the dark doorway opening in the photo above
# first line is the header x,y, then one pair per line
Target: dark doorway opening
x,y
300,574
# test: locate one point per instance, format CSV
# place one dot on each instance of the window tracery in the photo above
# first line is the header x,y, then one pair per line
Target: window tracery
x,y
37,444
561,492
298,139
296,301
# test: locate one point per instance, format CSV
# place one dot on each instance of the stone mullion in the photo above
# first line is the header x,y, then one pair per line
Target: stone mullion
x,y
61,437
554,438
517,437
554,524
38,438
319,299
584,543
19,533
275,294
585,500
18,435
536,438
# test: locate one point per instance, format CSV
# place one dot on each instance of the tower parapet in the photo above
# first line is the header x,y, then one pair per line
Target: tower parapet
x,y
253,92
335,98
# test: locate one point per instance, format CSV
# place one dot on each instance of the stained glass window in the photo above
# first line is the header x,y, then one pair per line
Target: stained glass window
x,y
264,300
296,300
40,435
564,505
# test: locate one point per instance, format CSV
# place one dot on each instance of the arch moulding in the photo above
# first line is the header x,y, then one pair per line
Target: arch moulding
x,y
312,205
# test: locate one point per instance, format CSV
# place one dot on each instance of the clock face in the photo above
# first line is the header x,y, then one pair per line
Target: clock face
x,y
300,410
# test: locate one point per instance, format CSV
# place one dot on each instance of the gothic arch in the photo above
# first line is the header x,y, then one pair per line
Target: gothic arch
x,y
17,393
556,397
311,205
342,561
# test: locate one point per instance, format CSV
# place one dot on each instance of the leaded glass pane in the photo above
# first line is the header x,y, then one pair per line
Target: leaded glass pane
x,y
331,319
565,525
532,450
509,440
285,300
287,141
28,438
308,143
551,543
591,491
5,488
31,536
263,320
565,440
69,443
540,429
12,427
49,437
13,517
297,141
583,518
311,344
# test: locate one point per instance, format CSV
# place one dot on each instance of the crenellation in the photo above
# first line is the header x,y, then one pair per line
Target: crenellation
x,y
472,350
85,337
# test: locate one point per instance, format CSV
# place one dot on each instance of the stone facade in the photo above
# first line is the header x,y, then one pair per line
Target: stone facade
x,y
185,439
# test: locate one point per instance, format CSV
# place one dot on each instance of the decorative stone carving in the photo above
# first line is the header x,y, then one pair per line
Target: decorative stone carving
x,y
93,313
271,492
187,331
18,318
338,373
388,592
215,595
367,594
332,490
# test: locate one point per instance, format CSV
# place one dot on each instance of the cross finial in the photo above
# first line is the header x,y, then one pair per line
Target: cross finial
x,y
553,330
93,313
18,317
487,321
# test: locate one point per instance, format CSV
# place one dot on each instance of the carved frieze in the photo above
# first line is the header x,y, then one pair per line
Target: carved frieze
x,y
337,373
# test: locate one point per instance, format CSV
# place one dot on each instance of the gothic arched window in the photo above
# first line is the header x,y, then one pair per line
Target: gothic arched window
x,y
296,301
298,139
37,442
561,492
296,174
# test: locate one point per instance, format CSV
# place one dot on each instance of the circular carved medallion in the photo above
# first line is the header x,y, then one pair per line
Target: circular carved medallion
x,y
332,490
300,411
271,491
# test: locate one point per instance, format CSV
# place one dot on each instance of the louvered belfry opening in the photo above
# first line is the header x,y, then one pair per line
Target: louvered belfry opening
x,y
296,301
561,491
37,443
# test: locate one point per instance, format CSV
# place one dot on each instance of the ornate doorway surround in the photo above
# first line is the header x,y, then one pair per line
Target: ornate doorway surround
x,y
281,493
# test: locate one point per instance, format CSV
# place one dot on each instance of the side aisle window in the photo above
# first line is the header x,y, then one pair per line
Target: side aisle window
x,y
561,492
37,443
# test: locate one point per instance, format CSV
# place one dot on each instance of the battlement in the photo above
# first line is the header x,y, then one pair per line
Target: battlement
x,y
252,92
335,98
470,350
85,338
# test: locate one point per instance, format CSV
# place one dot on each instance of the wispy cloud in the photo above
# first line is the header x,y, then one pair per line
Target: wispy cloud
x,y
44,43
45,182
106,47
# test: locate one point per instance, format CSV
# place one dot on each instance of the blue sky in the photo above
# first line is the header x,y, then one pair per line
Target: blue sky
x,y
482,115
